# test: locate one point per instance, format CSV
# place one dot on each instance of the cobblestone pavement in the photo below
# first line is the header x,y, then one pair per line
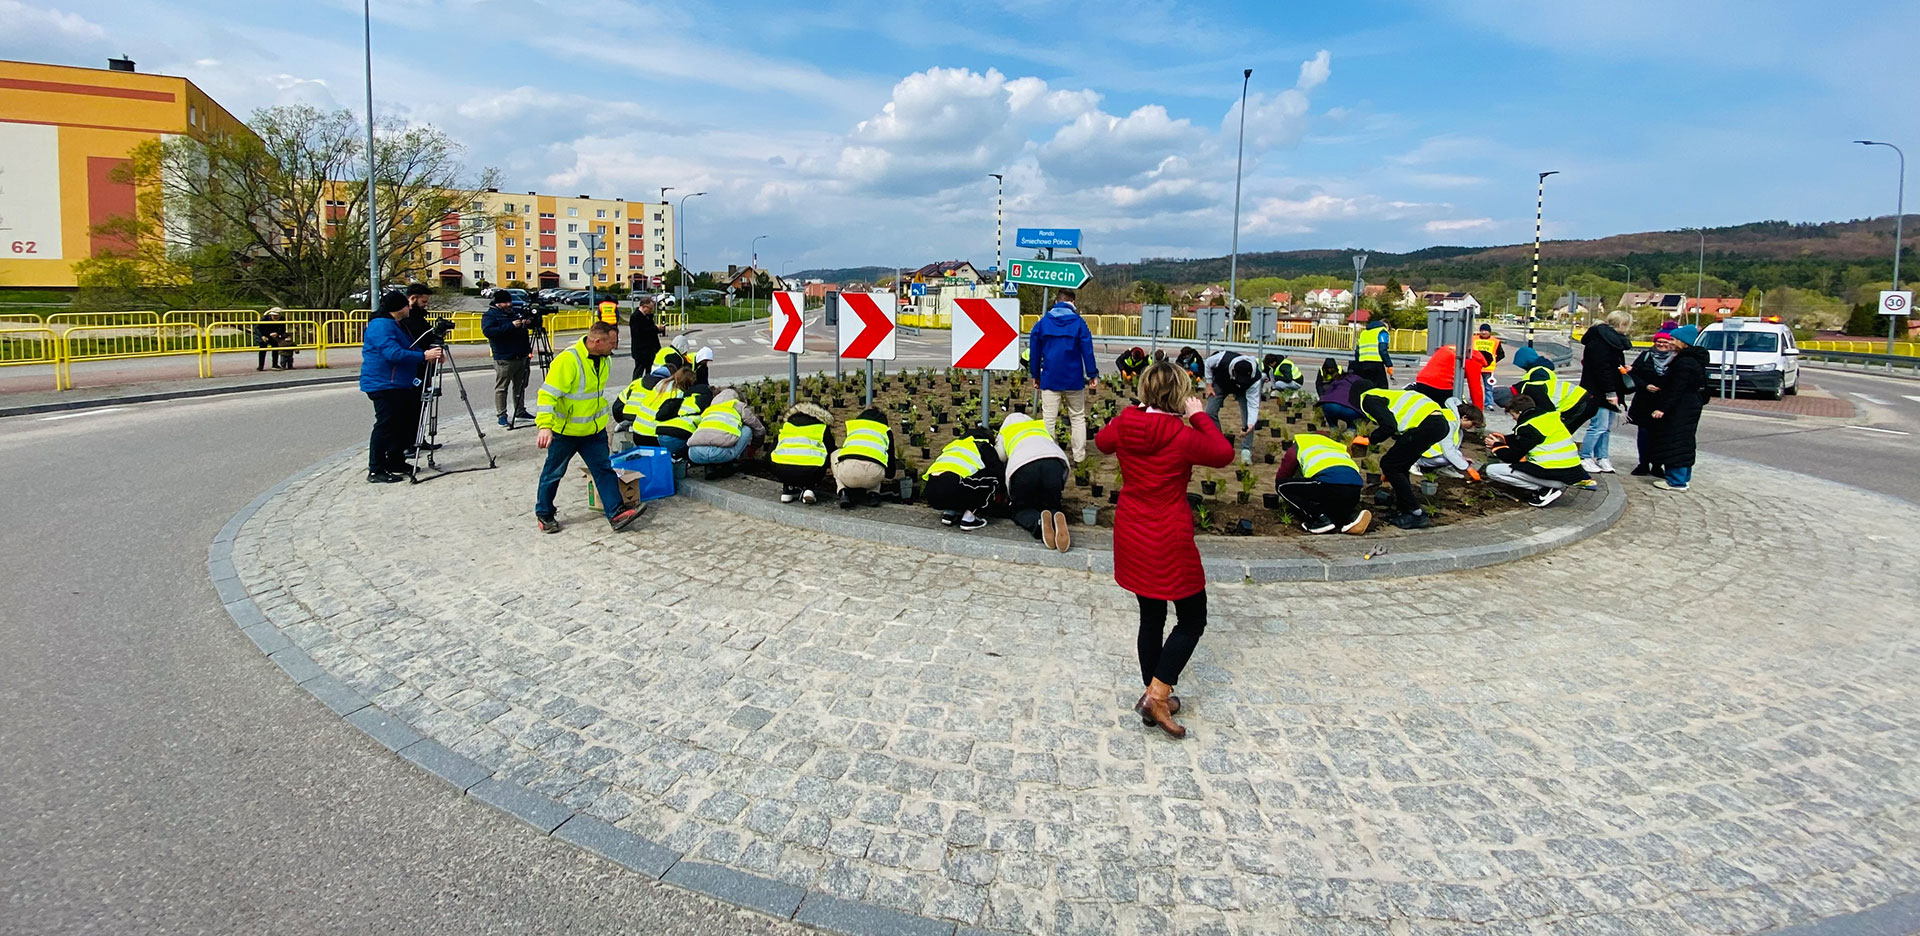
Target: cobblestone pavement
x,y
1703,720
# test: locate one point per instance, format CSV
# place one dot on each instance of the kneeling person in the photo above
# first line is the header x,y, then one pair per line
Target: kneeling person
x,y
962,481
727,429
800,456
1323,482
1036,474
1445,454
866,460
1415,424
1540,457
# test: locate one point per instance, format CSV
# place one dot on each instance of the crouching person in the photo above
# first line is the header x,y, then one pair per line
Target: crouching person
x,y
1445,455
962,481
1036,473
1540,457
800,456
727,430
866,460
679,412
1323,482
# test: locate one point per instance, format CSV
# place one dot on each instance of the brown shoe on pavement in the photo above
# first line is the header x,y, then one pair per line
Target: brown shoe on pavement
x,y
1062,538
1161,711
1046,529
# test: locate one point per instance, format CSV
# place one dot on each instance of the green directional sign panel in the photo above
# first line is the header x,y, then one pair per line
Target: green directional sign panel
x,y
1060,274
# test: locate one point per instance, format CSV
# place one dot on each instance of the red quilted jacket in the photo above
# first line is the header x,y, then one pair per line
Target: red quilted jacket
x,y
1153,551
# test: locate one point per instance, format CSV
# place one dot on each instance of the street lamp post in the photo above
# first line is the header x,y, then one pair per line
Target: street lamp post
x,y
373,229
591,241
1899,216
680,235
999,264
1700,278
1539,211
753,281
1239,160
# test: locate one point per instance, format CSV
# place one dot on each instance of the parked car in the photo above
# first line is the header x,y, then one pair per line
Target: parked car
x,y
1758,356
700,297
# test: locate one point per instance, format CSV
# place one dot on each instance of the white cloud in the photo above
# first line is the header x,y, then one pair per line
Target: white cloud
x,y
1438,226
42,34
1281,119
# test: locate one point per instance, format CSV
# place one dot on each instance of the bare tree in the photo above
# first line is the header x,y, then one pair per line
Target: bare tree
x,y
281,215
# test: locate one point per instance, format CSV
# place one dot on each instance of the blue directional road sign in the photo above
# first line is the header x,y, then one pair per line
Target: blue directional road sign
x,y
1066,238
916,289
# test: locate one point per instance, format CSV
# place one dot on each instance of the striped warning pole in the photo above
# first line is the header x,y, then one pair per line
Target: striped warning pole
x,y
1539,210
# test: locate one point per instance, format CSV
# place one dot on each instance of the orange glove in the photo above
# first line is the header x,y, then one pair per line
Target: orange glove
x,y
1361,440
1473,474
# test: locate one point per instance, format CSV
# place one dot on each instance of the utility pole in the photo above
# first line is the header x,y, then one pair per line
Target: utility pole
x,y
1239,160
1539,211
1899,217
373,229
1700,278
753,284
679,221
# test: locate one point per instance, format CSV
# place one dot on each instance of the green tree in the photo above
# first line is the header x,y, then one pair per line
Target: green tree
x,y
281,214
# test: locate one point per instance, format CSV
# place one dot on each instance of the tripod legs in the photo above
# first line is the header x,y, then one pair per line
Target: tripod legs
x,y
430,390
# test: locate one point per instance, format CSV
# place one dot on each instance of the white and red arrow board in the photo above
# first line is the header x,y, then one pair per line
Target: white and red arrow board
x,y
788,329
866,325
986,334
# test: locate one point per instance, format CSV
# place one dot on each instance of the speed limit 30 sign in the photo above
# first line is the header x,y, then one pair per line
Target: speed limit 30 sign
x,y
1896,303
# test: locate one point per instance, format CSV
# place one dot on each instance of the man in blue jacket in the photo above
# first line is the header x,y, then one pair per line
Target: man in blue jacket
x,y
390,377
1063,368
507,337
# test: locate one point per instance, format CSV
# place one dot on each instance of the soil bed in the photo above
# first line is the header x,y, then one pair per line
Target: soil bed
x,y
930,407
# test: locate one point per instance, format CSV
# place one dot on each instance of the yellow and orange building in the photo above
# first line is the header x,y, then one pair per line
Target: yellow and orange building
x,y
63,133
538,240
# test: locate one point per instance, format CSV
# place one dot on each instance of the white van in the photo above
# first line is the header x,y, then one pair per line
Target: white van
x,y
1758,356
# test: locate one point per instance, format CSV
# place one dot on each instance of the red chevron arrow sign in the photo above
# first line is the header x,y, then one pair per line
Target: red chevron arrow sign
x,y
785,324
866,325
986,334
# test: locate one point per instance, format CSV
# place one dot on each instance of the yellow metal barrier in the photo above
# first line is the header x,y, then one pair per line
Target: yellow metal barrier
x,y
61,321
227,336
917,320
570,320
671,320
1903,348
22,320
31,345
118,342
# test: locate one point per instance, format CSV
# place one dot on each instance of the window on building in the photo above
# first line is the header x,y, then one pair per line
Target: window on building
x,y
508,224
573,261
193,116
656,216
573,277
473,206
479,257
602,277
573,212
658,247
616,212
600,229
479,275
659,232
546,214
508,242
573,245
573,228
509,258
600,212
616,230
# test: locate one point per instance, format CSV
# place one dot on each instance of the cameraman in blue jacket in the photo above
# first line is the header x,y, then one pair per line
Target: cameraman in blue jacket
x,y
1063,368
390,377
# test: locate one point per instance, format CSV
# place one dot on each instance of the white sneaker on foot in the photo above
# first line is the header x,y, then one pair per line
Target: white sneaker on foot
x,y
1606,466
1589,466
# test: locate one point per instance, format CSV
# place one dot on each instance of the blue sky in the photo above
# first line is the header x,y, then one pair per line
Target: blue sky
x,y
859,132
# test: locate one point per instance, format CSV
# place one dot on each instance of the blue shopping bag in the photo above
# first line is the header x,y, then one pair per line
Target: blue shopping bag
x,y
653,465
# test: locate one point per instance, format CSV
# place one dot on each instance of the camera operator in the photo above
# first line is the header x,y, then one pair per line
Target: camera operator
x,y
418,325
506,331
390,368
646,336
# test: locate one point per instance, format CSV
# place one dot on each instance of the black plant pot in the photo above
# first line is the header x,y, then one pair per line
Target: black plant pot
x,y
1113,496
1275,431
1209,488
1082,482
1193,500
1291,420
1244,528
1270,501
1099,489
1243,497
1269,458
1229,438
1313,427
926,452
1373,477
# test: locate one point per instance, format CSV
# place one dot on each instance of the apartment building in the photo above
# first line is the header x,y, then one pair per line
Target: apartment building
x,y
543,241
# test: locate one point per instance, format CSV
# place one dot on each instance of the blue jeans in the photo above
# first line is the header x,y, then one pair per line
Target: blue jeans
x,y
1331,413
719,454
1680,477
673,446
592,450
1599,438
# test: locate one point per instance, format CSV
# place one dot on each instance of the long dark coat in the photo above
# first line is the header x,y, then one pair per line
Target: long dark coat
x,y
1669,441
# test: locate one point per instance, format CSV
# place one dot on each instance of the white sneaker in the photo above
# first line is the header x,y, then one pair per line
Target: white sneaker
x,y
1413,471
807,496
1606,466
1590,466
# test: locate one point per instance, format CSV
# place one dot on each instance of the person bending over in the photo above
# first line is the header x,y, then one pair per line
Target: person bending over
x,y
1415,424
961,482
866,459
800,455
1323,482
1036,474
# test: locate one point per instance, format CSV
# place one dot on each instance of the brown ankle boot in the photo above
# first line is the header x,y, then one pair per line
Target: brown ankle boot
x,y
1159,709
1140,708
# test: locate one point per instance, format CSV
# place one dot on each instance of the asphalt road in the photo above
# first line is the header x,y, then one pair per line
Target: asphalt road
x,y
1877,450
162,777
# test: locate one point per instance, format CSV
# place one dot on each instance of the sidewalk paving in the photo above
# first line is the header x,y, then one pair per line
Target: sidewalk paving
x,y
1702,720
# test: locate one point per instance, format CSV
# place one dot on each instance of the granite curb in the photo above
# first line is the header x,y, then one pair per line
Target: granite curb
x,y
542,813
1590,519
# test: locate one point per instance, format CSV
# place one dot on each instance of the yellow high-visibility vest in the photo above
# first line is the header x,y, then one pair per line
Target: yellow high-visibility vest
x,y
805,446
722,417
609,312
868,439
1565,394
1438,449
1556,448
573,397
643,404
1410,408
1489,344
1319,453
960,457
1370,340
1020,432
686,419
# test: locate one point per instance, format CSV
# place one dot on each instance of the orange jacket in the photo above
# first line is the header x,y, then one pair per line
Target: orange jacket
x,y
1438,372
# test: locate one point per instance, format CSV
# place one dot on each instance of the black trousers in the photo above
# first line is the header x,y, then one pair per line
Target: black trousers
x,y
396,418
1407,448
1320,500
1374,372
801,477
1165,660
951,493
1034,488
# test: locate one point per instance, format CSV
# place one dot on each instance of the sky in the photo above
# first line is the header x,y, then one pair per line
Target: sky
x,y
854,133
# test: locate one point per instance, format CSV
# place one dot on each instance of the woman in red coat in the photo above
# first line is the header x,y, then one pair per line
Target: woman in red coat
x,y
1153,552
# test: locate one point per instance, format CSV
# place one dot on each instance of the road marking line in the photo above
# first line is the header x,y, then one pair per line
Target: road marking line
x,y
97,412
1872,399
1878,429
738,340
763,341
1910,396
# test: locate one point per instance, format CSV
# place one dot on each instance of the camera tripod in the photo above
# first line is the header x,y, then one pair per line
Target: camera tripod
x,y
431,389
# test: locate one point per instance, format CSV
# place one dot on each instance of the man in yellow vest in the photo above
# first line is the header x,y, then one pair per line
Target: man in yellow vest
x,y
1416,424
1540,457
1323,482
572,418
800,453
1036,475
962,481
1485,340
1370,358
1566,397
609,312
866,459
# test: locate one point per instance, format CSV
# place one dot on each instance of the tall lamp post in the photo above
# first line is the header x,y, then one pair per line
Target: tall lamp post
x,y
373,229
1239,160
1899,216
1539,211
591,241
999,201
753,283
680,232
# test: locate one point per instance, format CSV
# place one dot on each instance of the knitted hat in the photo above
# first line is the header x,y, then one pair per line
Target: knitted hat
x,y
1685,334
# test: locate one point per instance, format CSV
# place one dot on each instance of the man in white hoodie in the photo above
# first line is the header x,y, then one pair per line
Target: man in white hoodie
x,y
1036,476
